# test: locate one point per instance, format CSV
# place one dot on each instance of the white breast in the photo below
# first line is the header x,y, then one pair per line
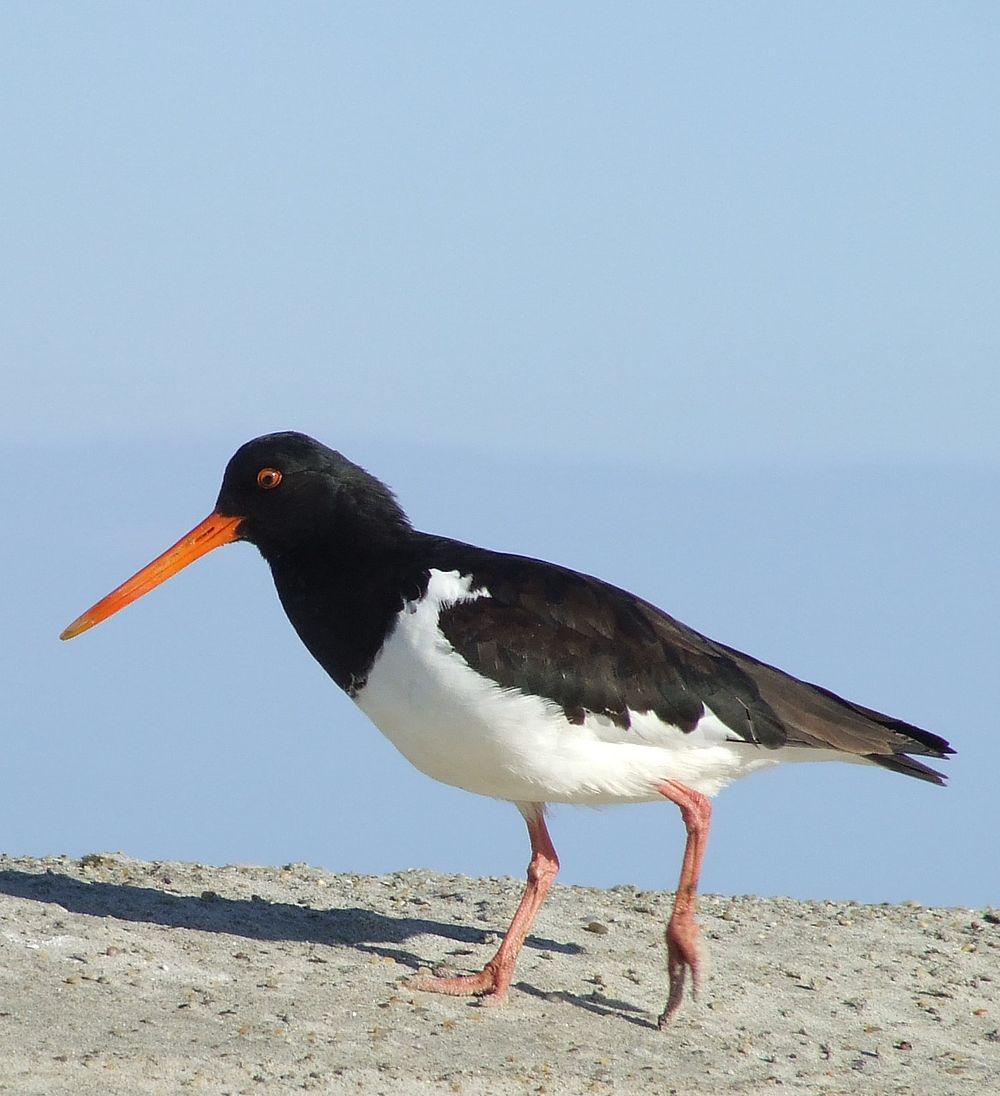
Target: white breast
x,y
464,729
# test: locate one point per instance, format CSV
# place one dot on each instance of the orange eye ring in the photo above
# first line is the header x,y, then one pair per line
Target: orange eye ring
x,y
268,478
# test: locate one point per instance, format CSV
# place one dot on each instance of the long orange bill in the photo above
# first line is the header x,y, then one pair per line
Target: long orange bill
x,y
216,529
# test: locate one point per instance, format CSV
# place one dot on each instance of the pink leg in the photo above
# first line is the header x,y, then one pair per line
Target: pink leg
x,y
682,930
495,978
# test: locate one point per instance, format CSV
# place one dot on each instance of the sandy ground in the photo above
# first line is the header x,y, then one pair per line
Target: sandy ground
x,y
120,976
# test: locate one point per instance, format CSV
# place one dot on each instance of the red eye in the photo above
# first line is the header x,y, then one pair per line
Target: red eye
x,y
268,478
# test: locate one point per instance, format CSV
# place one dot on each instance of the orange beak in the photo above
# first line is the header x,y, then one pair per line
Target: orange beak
x,y
216,529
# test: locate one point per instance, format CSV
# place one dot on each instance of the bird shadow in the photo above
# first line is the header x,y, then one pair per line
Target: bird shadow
x,y
594,1002
256,918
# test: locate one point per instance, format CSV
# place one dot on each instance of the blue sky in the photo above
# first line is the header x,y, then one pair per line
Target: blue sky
x,y
700,298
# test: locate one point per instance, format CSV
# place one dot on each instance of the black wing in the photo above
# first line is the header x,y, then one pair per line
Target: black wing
x,y
591,647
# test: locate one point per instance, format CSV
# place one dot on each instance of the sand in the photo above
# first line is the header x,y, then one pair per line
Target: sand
x,y
120,976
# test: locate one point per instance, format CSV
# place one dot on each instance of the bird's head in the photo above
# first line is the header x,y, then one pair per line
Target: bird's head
x,y
279,492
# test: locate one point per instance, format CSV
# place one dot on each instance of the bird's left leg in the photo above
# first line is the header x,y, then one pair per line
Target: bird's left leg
x,y
494,979
682,929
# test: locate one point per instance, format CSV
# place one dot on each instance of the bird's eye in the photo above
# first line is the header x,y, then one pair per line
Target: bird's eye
x,y
268,478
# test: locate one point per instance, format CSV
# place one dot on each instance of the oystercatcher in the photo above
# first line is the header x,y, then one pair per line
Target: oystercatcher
x,y
518,679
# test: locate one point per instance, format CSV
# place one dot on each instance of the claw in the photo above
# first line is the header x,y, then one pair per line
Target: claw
x,y
683,954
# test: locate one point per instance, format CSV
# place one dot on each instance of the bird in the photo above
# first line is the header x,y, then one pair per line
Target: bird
x,y
518,679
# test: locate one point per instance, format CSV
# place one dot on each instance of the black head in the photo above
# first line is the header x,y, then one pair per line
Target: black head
x,y
282,492
289,489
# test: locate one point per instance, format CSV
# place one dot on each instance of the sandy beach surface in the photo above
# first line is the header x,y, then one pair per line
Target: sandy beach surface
x,y
120,976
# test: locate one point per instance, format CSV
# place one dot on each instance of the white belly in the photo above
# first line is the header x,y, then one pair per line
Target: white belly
x,y
463,729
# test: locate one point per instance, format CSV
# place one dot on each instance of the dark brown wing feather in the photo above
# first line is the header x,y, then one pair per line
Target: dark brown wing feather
x,y
591,647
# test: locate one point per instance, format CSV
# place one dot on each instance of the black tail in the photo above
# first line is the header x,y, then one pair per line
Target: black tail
x,y
908,766
915,741
813,716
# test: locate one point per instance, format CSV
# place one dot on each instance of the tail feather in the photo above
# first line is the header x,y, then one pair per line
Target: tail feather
x,y
920,741
816,717
908,766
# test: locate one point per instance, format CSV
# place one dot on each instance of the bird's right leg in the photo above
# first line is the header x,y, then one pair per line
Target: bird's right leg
x,y
494,979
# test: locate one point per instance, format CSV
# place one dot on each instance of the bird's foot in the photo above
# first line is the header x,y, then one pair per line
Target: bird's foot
x,y
484,984
683,955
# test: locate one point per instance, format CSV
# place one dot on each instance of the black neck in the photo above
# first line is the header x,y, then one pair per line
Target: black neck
x,y
342,601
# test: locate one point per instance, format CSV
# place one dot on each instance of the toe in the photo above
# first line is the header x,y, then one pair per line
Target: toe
x,y
459,985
